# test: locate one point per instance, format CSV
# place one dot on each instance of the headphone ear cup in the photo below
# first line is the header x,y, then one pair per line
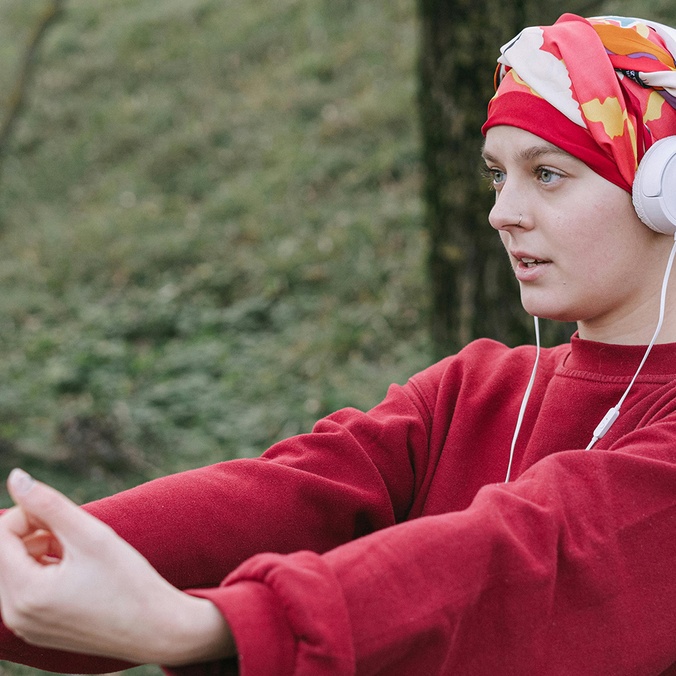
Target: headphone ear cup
x,y
654,189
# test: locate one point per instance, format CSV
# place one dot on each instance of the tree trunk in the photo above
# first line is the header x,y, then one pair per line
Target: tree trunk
x,y
473,289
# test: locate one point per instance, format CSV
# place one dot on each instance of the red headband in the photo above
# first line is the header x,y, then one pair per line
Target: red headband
x,y
601,89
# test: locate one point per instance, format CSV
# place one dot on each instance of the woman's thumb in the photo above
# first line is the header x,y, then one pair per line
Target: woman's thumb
x,y
19,483
43,506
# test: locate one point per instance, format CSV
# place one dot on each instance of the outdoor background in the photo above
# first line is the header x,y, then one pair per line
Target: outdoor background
x,y
211,229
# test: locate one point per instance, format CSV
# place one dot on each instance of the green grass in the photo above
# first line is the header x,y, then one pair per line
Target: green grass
x,y
211,232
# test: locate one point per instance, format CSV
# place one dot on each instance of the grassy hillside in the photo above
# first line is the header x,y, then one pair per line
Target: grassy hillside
x,y
210,231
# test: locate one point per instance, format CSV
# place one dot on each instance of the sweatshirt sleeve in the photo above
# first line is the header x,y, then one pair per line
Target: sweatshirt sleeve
x,y
568,570
352,475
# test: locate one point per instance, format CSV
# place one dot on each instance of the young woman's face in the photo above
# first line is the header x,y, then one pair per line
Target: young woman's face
x,y
577,248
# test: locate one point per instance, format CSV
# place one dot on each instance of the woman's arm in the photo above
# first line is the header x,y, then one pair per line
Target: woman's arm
x,y
567,570
351,476
68,582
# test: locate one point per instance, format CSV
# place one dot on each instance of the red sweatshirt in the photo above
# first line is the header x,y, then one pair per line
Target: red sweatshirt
x,y
391,544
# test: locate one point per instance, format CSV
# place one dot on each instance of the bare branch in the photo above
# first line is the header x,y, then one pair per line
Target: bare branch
x,y
17,96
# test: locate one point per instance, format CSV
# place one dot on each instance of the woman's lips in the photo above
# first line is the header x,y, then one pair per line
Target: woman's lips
x,y
529,268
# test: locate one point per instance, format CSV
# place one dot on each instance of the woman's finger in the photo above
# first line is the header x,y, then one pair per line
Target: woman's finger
x,y
46,509
43,546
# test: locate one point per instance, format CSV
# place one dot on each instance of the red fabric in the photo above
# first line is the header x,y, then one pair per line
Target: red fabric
x,y
602,89
533,114
395,548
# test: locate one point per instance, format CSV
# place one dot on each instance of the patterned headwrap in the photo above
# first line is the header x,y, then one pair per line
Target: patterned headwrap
x,y
602,89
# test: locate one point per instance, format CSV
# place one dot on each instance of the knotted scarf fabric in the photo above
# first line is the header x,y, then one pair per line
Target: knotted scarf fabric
x,y
603,89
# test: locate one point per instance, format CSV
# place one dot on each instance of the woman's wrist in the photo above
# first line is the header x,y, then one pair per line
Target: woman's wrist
x,y
196,632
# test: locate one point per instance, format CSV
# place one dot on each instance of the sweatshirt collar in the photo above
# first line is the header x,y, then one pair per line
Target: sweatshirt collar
x,y
620,360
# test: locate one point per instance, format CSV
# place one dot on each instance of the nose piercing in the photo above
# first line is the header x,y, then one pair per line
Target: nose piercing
x,y
520,219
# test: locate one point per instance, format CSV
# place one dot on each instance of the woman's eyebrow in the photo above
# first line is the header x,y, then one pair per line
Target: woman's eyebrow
x,y
530,153
534,152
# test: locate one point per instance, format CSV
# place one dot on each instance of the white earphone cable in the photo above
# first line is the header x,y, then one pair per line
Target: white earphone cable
x,y
612,415
526,396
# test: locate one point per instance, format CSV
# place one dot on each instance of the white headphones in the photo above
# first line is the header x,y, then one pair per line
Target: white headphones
x,y
654,189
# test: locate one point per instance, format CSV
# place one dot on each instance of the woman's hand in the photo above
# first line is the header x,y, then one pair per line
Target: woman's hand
x,y
67,581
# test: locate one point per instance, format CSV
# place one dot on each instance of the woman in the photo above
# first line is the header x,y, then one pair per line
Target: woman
x,y
391,541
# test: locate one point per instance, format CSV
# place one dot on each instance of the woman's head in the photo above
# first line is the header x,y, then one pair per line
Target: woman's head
x,y
575,243
602,89
565,132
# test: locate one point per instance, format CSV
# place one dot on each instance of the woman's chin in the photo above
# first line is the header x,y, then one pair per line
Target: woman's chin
x,y
550,311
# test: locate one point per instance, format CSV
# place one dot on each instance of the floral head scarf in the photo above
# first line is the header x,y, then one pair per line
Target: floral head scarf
x,y
602,89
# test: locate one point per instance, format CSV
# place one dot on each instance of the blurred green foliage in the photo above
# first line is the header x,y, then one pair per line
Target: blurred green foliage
x,y
210,230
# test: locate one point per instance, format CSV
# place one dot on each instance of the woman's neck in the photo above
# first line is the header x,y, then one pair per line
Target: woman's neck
x,y
636,329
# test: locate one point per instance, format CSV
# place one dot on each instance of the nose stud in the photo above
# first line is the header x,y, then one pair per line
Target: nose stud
x,y
520,219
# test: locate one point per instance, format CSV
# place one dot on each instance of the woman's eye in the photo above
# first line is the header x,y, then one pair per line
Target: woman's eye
x,y
547,176
496,177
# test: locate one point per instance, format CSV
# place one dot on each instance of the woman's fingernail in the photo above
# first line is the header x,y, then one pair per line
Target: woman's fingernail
x,y
20,481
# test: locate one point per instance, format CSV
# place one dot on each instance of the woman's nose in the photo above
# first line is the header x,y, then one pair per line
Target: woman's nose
x,y
509,210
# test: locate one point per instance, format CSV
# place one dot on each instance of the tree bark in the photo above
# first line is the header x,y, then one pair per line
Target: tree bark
x,y
472,287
